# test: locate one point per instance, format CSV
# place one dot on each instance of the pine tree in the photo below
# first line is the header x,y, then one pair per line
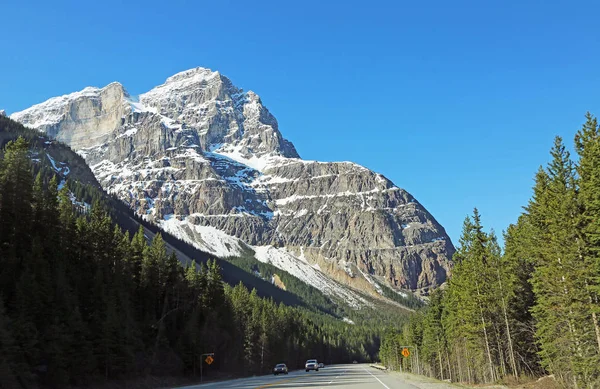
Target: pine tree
x,y
557,280
15,212
587,143
504,280
434,336
520,266
12,369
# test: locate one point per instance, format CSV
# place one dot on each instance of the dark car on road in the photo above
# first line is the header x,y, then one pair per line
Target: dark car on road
x,y
280,369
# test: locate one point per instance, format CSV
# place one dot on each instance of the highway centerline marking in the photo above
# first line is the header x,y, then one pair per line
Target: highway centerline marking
x,y
384,385
344,372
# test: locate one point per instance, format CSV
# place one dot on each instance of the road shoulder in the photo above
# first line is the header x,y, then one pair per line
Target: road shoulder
x,y
423,382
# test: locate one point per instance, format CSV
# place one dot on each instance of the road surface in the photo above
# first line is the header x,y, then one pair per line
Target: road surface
x,y
355,376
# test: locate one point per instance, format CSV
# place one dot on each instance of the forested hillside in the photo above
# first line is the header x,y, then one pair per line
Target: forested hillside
x,y
52,158
531,308
83,301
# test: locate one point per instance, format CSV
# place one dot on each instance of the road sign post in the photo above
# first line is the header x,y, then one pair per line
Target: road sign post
x,y
406,353
209,360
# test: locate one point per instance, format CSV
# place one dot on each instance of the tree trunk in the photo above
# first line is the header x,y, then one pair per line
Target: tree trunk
x,y
418,362
594,318
448,363
500,353
485,335
511,351
458,360
439,353
590,299
262,355
597,329
469,376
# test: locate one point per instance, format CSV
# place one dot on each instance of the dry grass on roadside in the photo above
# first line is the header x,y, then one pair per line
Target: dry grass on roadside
x,y
547,382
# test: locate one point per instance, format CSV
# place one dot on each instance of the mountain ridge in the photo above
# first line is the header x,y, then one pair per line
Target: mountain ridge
x,y
205,160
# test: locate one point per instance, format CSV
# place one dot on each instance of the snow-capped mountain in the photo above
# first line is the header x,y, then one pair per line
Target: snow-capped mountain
x,y
206,161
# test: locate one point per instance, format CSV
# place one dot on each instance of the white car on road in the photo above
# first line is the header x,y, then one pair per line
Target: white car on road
x,y
312,364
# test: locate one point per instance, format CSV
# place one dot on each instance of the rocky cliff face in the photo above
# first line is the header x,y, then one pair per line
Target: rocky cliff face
x,y
206,161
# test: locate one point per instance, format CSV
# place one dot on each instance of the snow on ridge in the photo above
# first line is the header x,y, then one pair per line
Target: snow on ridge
x,y
302,270
286,200
371,281
193,72
137,106
191,154
129,133
53,163
206,238
258,163
403,294
269,179
180,81
217,242
64,170
51,111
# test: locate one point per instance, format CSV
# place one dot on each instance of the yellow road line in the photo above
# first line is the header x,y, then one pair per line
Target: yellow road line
x,y
278,382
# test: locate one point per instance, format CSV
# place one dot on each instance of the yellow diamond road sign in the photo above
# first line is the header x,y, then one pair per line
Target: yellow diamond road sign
x,y
209,360
405,353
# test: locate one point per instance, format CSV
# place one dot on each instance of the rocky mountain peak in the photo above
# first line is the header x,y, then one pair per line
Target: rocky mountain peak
x,y
253,97
80,119
2,112
197,73
207,162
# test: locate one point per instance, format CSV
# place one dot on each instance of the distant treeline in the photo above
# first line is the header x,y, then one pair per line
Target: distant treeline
x,y
532,308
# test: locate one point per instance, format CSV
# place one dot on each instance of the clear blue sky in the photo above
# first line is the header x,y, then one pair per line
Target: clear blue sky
x,y
456,101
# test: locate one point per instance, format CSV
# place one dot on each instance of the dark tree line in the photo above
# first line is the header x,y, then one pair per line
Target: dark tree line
x,y
532,308
83,301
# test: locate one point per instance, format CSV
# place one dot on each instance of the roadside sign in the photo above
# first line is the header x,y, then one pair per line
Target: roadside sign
x,y
209,360
405,353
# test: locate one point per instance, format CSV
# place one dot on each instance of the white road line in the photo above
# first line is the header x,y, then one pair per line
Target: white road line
x,y
344,372
384,385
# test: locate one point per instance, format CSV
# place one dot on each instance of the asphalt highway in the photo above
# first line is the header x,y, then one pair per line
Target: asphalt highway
x,y
355,376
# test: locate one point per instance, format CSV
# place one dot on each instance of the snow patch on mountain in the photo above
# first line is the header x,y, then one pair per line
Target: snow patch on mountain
x,y
212,240
301,269
129,133
207,238
371,281
259,163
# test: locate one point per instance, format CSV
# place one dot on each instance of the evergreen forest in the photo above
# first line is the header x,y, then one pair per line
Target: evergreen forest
x,y
529,308
83,301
